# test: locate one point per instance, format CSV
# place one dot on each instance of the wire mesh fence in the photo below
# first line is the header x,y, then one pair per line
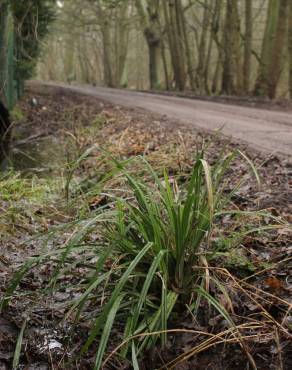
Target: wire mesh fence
x,y
8,84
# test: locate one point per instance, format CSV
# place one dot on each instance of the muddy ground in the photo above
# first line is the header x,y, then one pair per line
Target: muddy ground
x,y
49,134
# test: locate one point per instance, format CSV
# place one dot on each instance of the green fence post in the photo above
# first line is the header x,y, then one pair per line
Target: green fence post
x,y
4,9
10,89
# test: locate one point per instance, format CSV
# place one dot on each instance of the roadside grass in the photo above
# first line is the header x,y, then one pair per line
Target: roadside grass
x,y
27,197
14,188
21,199
145,258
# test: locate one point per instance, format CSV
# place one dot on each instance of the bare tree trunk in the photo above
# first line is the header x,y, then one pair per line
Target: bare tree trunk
x,y
69,47
232,69
202,48
228,84
187,46
278,49
154,54
215,14
51,72
247,46
215,35
123,38
150,23
165,68
215,87
290,49
176,43
168,31
107,60
262,81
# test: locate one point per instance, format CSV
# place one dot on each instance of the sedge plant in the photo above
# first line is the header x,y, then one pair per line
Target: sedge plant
x,y
157,236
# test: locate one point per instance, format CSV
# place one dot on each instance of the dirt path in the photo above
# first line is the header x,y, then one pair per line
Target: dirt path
x,y
265,130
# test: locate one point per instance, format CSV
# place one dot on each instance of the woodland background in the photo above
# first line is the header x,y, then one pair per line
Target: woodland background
x,y
210,47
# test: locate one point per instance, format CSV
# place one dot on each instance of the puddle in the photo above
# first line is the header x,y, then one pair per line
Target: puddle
x,y
42,157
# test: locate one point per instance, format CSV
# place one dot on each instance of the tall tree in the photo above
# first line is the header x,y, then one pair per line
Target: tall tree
x,y
203,47
290,48
106,43
232,69
174,28
262,81
247,45
112,21
215,34
122,41
69,48
273,48
185,41
214,20
149,18
276,63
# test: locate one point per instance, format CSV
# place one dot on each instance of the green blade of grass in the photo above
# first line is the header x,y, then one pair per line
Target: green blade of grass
x,y
201,291
142,297
209,186
154,322
17,351
117,291
253,167
134,357
106,331
146,286
164,313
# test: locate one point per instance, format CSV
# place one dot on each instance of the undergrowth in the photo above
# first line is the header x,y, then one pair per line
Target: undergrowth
x,y
145,257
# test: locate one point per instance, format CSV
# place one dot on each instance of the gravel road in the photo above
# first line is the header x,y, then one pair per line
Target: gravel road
x,y
264,130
